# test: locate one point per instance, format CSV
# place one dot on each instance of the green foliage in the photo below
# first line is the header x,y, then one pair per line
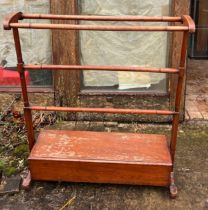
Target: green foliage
x,y
21,150
2,164
10,171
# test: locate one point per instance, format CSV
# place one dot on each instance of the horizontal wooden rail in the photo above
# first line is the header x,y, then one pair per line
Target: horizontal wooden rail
x,y
11,21
101,18
101,110
98,27
102,68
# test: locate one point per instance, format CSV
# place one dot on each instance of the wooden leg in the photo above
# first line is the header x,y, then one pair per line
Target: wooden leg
x,y
26,182
173,188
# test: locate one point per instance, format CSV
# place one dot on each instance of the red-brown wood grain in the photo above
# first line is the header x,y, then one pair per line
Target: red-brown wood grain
x,y
101,110
101,157
101,18
99,68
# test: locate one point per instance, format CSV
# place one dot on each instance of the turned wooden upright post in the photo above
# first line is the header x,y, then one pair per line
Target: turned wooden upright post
x,y
182,70
13,18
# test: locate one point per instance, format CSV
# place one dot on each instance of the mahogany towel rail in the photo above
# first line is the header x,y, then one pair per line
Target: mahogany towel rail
x,y
101,157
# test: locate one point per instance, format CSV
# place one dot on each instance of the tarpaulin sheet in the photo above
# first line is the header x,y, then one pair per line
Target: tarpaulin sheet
x,y
147,49
36,44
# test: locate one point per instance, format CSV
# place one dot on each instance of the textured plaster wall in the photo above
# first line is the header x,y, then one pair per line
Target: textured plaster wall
x,y
124,48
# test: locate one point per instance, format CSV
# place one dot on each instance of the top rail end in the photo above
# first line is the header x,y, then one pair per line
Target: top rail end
x,y
11,18
188,21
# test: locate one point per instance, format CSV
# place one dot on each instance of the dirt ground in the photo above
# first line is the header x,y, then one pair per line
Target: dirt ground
x,y
191,171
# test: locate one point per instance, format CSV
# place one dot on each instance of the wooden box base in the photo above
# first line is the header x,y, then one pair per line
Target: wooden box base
x,y
99,157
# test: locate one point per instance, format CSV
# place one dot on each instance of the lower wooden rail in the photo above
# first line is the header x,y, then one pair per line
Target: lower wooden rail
x,y
101,110
101,68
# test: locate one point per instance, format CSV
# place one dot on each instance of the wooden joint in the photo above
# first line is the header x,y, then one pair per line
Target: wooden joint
x,y
26,105
11,18
188,21
20,67
181,71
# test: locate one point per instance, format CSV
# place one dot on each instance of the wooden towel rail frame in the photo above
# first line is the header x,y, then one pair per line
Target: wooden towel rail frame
x,y
187,26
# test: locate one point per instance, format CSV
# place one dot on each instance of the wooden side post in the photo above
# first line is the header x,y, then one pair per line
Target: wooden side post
x,y
179,8
179,89
180,81
20,68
